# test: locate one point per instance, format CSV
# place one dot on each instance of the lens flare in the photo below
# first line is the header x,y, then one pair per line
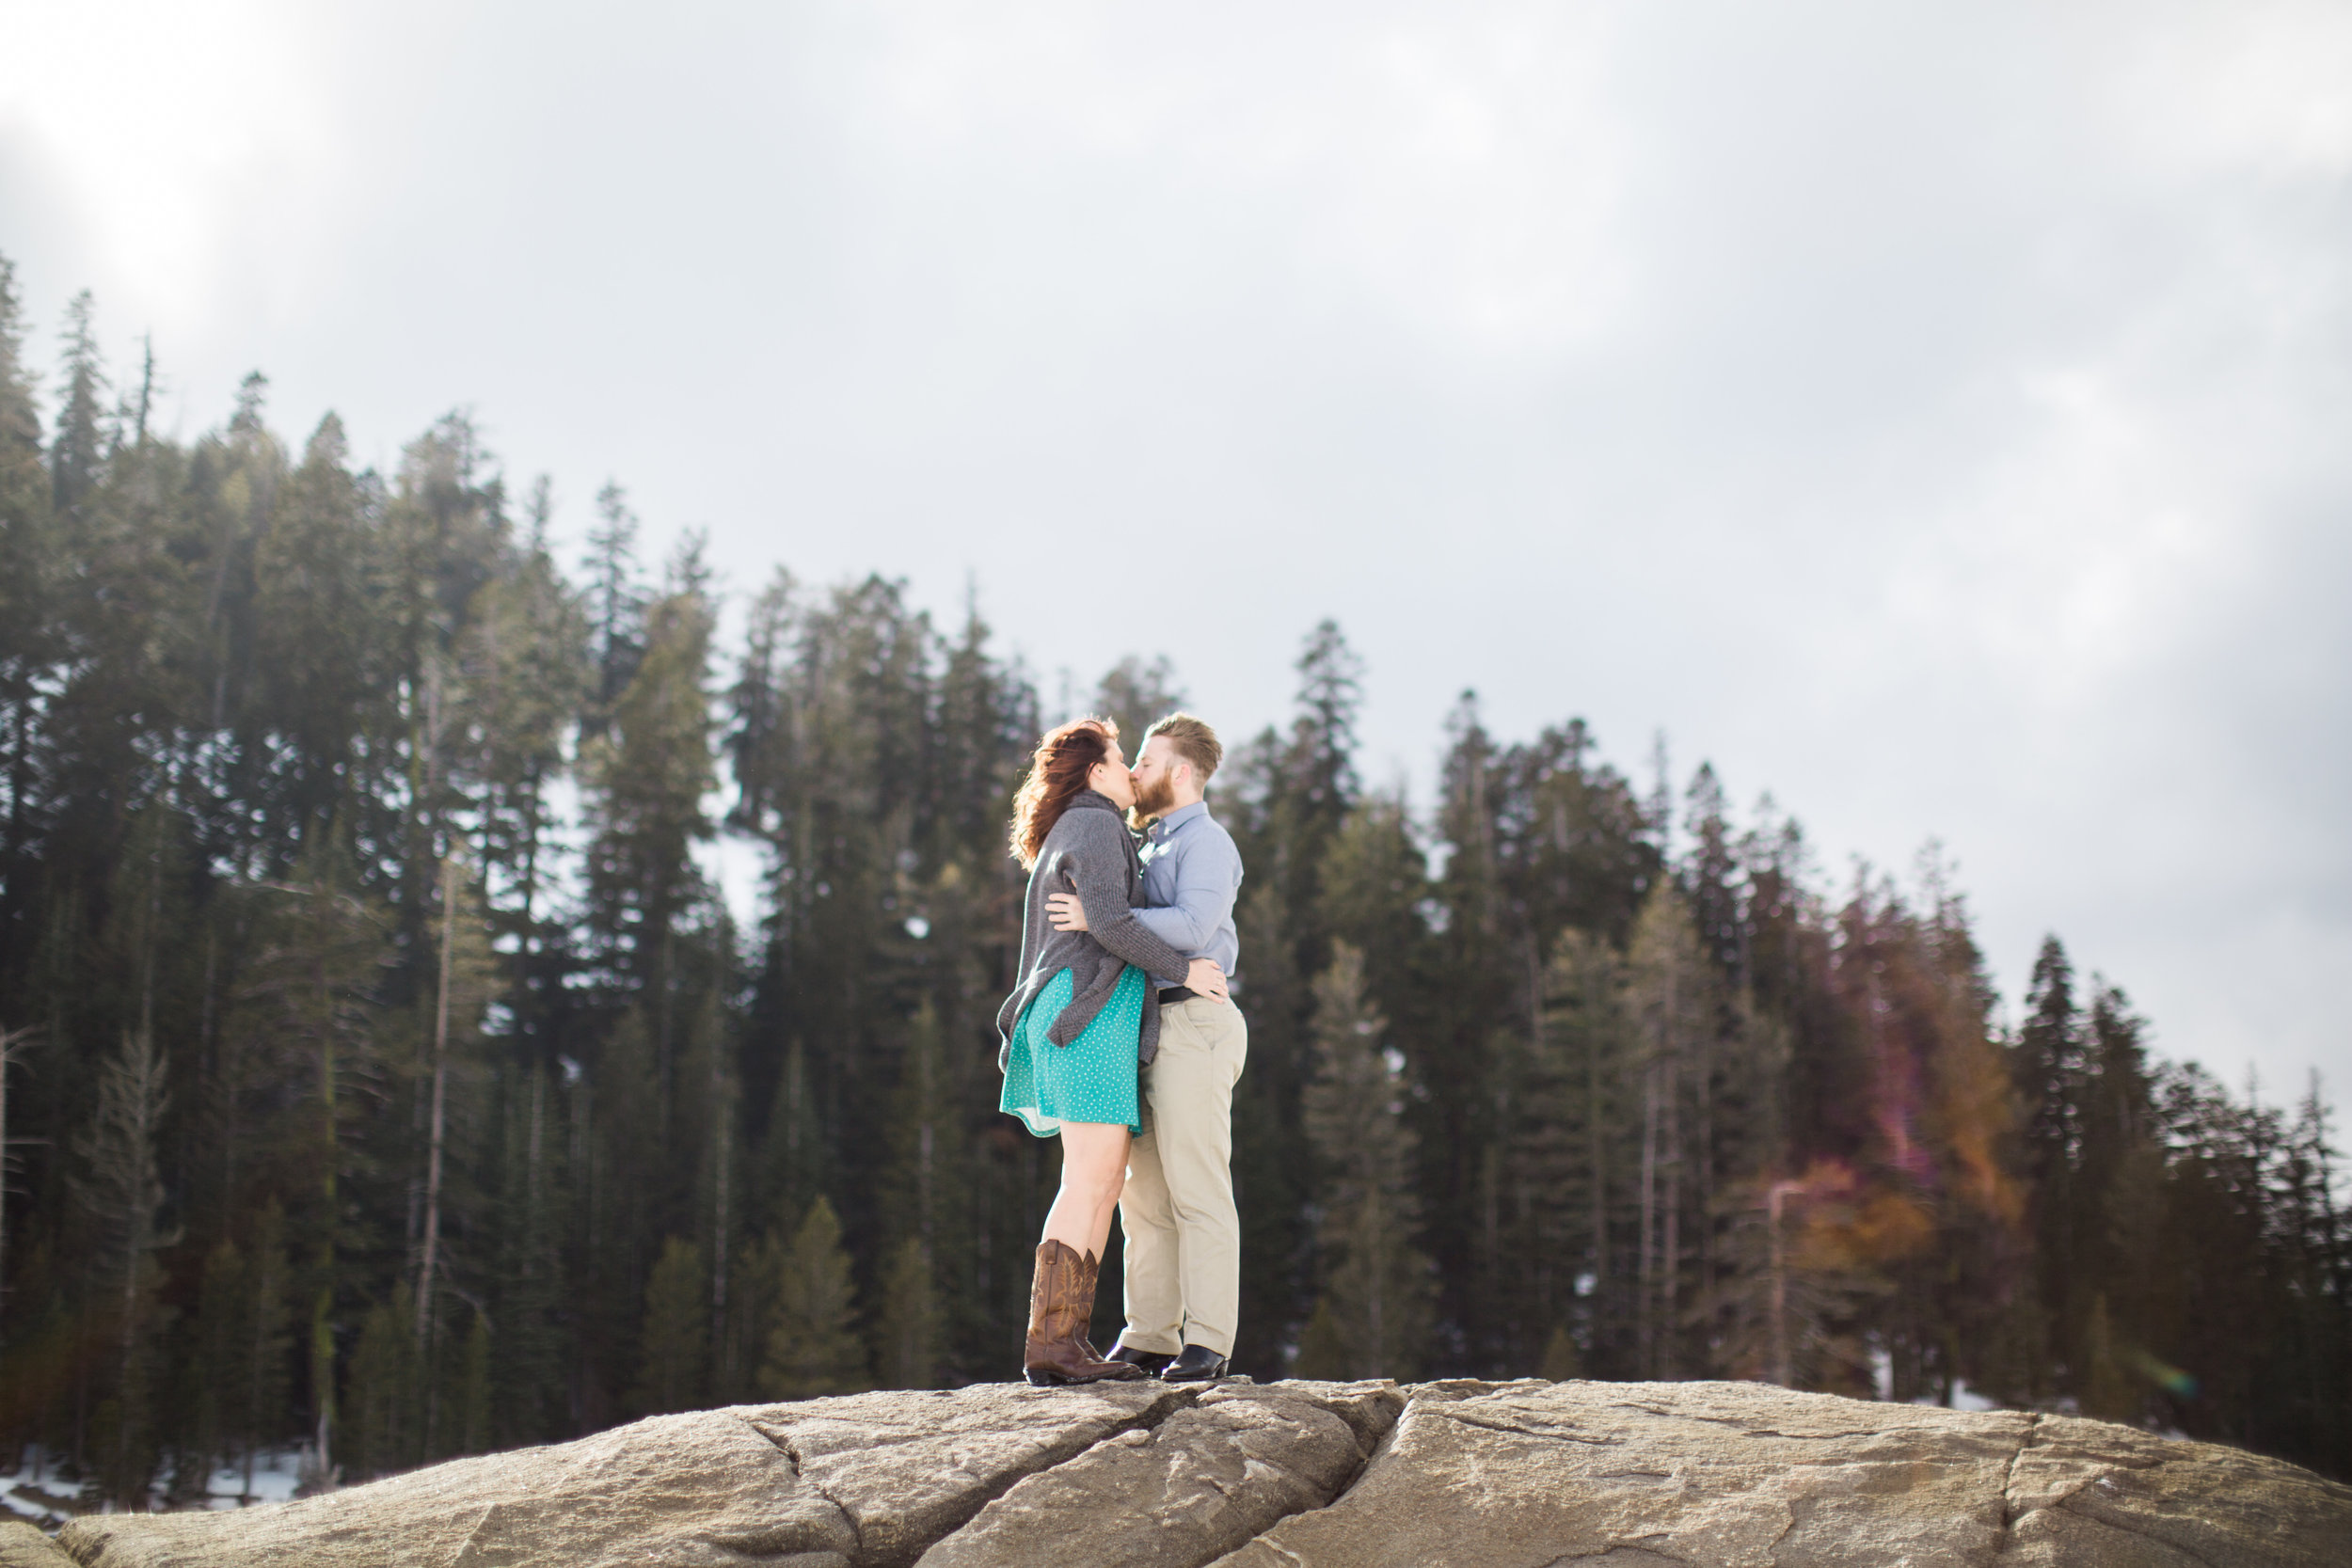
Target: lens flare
x,y
2164,1375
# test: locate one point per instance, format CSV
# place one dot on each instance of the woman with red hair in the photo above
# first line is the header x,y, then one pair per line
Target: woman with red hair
x,y
1084,1018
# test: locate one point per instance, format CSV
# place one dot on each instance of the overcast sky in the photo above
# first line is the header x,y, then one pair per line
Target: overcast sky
x,y
1936,415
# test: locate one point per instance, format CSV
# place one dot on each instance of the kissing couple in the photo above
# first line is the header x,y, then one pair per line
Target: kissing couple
x,y
1121,1040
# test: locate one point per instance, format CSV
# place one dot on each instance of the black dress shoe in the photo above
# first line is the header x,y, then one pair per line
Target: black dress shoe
x,y
1197,1364
1152,1361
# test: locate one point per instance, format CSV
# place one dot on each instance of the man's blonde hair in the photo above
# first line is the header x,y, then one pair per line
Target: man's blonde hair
x,y
1192,740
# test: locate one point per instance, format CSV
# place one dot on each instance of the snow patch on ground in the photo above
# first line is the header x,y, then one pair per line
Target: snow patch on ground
x,y
1965,1398
36,1490
276,1474
46,1501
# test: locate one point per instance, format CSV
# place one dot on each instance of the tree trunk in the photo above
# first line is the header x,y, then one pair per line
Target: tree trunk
x,y
721,1370
10,1041
1780,1373
1646,1324
1596,1140
323,1306
1669,1247
433,1146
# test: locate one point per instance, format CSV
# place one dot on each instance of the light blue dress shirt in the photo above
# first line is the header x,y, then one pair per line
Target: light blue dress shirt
x,y
1191,876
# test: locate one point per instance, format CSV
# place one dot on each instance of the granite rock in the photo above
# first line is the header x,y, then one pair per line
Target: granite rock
x,y
1294,1475
23,1546
1725,1475
866,1479
1204,1481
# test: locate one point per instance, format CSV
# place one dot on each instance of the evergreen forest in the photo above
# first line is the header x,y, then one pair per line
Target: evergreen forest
x,y
383,1078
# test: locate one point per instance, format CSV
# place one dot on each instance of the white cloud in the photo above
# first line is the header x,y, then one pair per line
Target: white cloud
x,y
179,127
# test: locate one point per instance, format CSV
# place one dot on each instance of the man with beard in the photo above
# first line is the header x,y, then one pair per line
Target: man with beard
x,y
1182,1232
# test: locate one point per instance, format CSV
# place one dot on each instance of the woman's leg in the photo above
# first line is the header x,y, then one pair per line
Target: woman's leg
x,y
1094,1169
1070,1257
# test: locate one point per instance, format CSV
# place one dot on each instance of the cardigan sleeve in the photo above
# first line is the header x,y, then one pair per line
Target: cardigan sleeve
x,y
1098,870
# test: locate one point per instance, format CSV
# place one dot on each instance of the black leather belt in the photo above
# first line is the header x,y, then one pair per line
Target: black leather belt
x,y
1177,993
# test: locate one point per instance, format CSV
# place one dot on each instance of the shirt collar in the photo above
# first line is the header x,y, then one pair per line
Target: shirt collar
x,y
1177,819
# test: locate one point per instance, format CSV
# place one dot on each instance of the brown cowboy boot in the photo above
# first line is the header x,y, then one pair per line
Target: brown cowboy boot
x,y
1089,1271
1058,1310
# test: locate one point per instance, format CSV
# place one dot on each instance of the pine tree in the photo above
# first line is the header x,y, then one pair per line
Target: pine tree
x,y
1670,1000
2047,1068
649,775
1325,1355
927,1199
28,559
319,654
677,1333
811,1349
1285,796
1374,876
1971,1118
2315,1249
1572,1147
793,1156
1795,1277
428,1241
1563,1362
908,1337
260,1361
846,814
618,600
213,1371
384,1403
2107,1390
124,1193
2119,1196
1711,872
528,1373
1376,1282
300,1021
526,669
78,451
1271,1184
13,1043
1322,763
1486,986
23,477
1133,695
473,1425
1560,1164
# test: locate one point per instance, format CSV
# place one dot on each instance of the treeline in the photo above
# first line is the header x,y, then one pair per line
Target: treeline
x,y
384,1076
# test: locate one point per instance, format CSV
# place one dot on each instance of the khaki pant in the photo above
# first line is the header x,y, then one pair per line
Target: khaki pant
x,y
1183,1233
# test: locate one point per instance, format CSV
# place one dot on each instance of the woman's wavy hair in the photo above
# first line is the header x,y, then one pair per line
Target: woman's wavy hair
x,y
1057,772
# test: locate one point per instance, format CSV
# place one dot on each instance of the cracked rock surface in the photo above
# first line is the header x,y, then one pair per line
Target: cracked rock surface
x,y
1530,1475
869,1479
1295,1475
1206,1481
906,1469
2091,1492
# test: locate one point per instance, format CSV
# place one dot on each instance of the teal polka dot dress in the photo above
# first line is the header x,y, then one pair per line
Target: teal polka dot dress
x,y
1090,1078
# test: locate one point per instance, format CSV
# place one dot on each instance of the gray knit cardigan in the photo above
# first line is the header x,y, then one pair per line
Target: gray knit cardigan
x,y
1089,852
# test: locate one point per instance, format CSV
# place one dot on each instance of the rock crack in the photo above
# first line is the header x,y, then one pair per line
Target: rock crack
x,y
2008,1479
1518,1429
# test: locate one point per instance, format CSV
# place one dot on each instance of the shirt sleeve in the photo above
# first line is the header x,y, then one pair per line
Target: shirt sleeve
x,y
1100,873
1207,881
